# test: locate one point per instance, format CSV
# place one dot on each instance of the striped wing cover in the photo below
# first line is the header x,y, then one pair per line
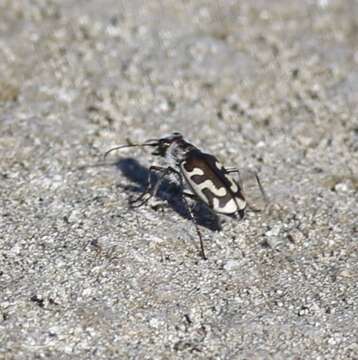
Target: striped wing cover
x,y
210,182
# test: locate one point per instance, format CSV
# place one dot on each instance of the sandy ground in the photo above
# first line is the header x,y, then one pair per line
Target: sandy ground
x,y
266,85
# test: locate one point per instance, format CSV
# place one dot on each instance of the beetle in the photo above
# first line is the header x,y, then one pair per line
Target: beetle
x,y
200,175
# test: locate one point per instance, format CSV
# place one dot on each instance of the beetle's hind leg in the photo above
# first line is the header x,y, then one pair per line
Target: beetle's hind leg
x,y
241,182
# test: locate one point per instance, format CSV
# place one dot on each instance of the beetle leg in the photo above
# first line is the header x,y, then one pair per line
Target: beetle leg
x,y
202,251
191,195
153,190
236,170
149,188
232,169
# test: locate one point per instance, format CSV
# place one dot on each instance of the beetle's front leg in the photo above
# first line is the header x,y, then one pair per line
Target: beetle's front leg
x,y
150,189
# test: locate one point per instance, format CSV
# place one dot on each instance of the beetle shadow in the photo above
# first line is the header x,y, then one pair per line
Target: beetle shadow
x,y
168,191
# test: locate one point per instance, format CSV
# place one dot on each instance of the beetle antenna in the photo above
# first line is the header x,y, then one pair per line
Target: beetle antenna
x,y
153,143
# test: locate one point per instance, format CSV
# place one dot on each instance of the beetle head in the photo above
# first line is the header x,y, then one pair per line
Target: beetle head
x,y
166,142
161,145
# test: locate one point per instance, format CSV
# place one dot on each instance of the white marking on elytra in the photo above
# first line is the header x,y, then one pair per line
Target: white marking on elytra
x,y
218,165
208,184
240,203
195,171
233,186
229,208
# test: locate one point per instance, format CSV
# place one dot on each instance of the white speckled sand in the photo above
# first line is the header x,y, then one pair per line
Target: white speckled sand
x,y
266,85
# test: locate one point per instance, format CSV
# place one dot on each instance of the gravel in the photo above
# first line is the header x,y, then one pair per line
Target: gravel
x,y
270,86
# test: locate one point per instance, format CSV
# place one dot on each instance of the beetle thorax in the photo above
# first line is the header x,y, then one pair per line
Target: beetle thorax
x,y
177,152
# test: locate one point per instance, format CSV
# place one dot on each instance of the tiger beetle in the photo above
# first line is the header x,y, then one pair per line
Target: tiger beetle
x,y
201,177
